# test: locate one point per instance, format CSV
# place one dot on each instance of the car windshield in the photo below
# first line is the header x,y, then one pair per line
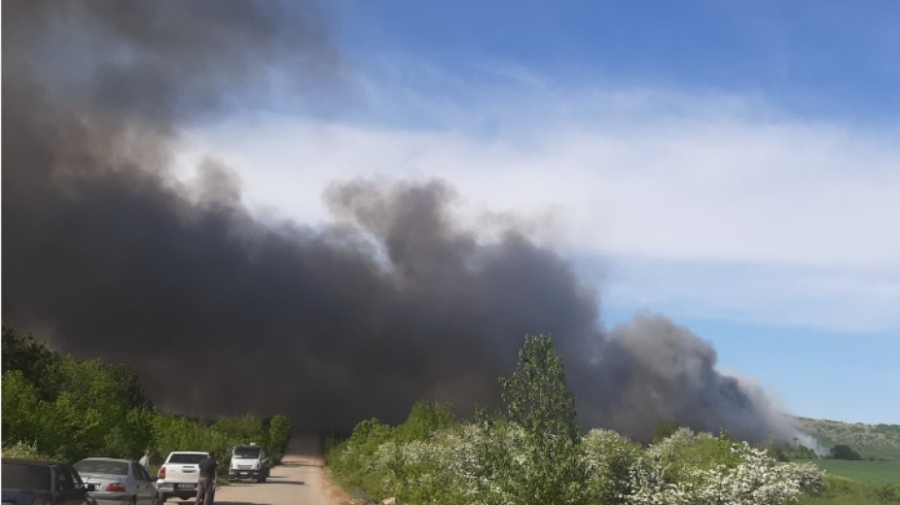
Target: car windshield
x,y
102,466
246,452
25,476
186,458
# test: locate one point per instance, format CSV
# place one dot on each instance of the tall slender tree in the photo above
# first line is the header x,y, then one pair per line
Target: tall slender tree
x,y
537,395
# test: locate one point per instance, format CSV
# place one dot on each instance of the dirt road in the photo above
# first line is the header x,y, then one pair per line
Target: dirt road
x,y
299,480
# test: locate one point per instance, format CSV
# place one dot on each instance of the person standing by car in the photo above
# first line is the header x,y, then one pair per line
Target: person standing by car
x,y
145,460
206,484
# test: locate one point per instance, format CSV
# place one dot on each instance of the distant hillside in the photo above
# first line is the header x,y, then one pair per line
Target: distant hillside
x,y
871,441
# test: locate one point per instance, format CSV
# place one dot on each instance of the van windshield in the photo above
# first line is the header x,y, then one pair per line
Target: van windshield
x,y
246,452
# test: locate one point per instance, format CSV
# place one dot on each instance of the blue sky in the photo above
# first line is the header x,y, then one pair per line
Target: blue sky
x,y
732,165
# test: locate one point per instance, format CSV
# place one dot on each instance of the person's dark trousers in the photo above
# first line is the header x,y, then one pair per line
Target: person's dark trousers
x,y
206,491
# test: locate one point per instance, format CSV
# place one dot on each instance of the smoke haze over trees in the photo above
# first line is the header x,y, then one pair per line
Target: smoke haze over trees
x,y
107,254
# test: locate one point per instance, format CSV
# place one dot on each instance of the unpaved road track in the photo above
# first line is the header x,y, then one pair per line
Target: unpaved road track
x,y
298,480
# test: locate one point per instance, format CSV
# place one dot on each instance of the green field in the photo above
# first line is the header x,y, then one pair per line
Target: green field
x,y
844,491
858,482
876,472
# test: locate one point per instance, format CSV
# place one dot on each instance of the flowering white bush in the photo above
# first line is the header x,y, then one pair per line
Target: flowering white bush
x,y
478,464
756,480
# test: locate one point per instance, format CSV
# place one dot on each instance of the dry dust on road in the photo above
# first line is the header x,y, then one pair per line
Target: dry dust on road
x,y
299,480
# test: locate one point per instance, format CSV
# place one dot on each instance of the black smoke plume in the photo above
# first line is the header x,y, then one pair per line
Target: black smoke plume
x,y
108,255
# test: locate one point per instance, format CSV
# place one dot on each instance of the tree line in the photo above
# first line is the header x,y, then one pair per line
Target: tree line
x,y
532,452
59,407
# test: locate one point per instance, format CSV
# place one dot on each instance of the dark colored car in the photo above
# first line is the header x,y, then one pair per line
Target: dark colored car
x,y
32,482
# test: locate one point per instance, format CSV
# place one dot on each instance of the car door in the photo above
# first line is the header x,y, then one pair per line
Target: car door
x,y
144,488
68,488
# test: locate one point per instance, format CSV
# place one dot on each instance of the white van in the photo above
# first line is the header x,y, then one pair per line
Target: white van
x,y
248,462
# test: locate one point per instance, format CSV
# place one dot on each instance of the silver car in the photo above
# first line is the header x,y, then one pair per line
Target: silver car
x,y
118,481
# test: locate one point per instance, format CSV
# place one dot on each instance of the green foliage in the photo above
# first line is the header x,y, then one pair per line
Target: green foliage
x,y
610,458
537,396
33,359
424,419
279,436
245,429
23,450
534,455
665,429
177,433
843,451
22,409
549,468
683,453
350,459
68,409
784,452
872,441
492,462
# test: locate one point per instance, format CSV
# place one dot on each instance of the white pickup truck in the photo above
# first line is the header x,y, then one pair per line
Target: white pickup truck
x,y
179,475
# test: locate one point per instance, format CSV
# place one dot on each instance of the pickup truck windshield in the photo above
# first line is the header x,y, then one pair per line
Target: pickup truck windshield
x,y
190,459
246,452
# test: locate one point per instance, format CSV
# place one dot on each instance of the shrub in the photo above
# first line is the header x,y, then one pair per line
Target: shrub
x,y
842,451
23,450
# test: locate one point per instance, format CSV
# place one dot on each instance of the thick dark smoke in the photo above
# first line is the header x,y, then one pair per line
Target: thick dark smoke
x,y
108,255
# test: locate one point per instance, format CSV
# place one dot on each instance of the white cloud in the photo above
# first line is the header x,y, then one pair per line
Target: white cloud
x,y
812,207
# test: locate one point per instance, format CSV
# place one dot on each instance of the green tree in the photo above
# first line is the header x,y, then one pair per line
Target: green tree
x,y
842,451
537,395
537,398
244,429
21,409
665,429
279,436
38,364
424,419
